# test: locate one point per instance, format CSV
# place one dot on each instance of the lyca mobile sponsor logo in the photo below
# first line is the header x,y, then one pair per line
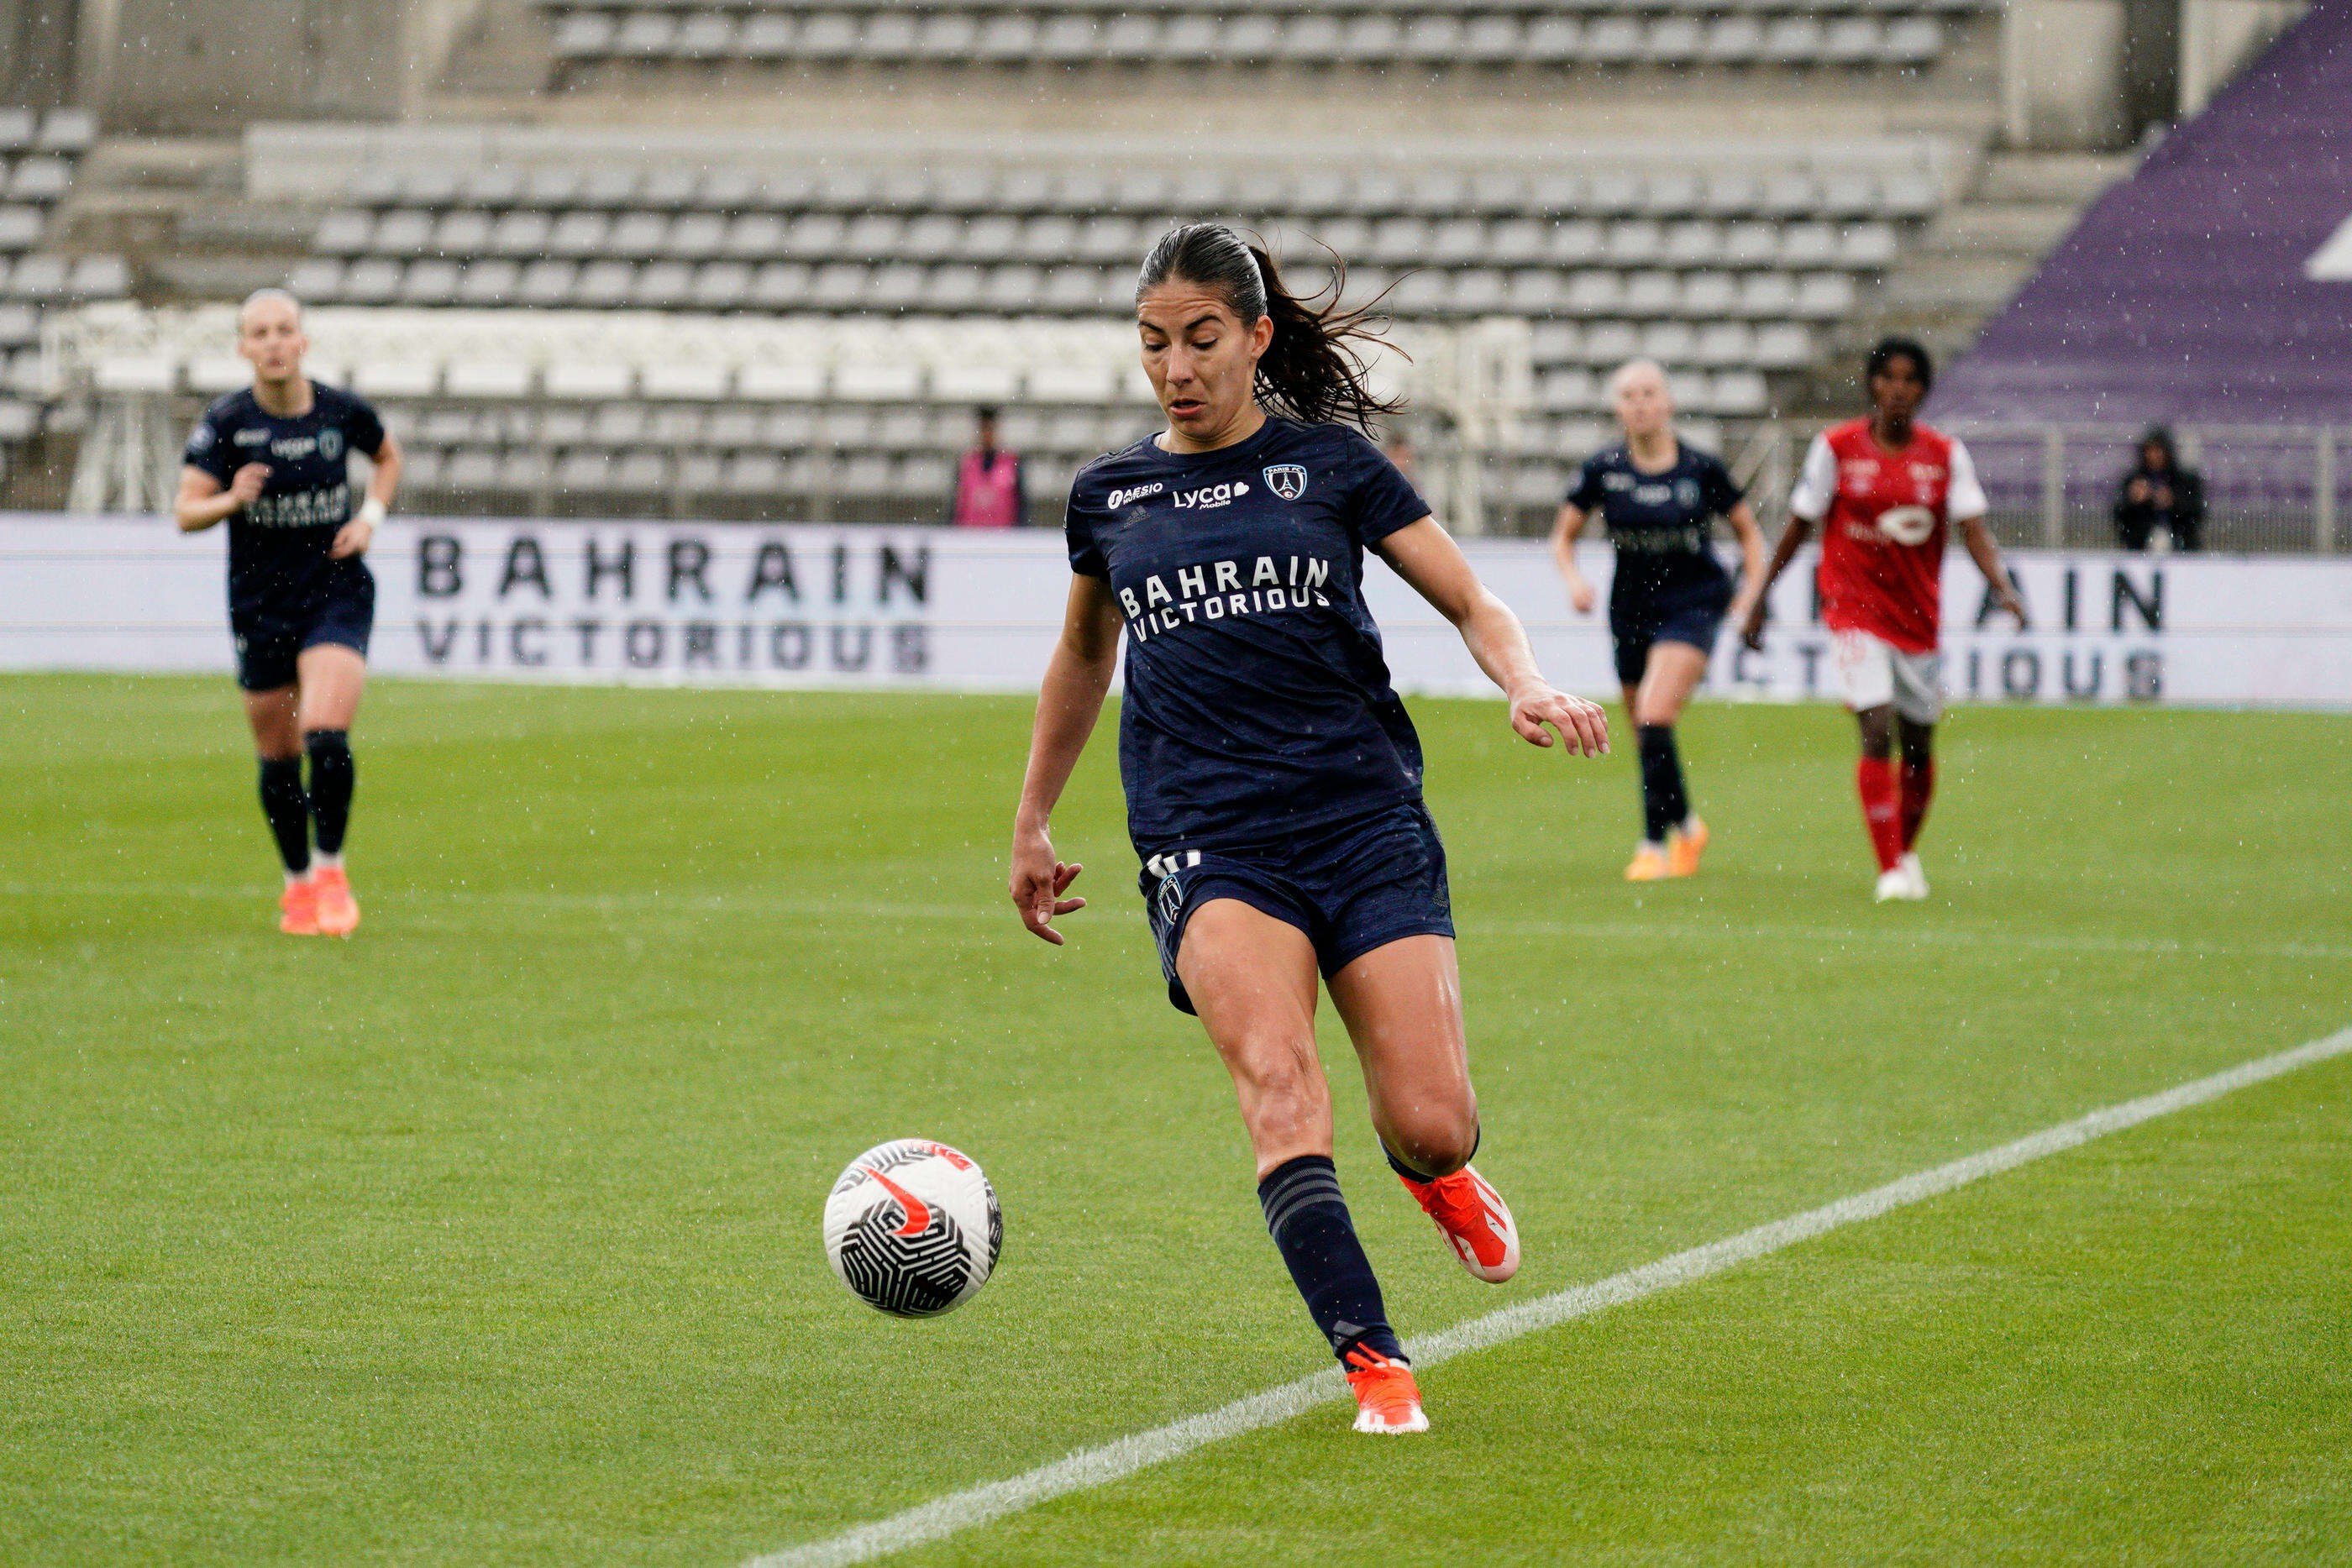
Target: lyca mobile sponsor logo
x,y
1210,496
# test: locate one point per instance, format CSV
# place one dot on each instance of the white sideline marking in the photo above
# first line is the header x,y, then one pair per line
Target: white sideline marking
x,y
1111,1461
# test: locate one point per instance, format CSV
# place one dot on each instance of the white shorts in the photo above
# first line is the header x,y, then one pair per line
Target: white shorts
x,y
1873,673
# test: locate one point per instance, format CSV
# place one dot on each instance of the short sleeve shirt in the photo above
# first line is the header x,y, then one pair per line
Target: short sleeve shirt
x,y
278,560
1257,699
1660,523
1886,519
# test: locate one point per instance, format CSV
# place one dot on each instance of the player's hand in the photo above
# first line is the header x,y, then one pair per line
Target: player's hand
x,y
1580,595
2015,606
1751,627
1583,726
246,482
353,538
1038,881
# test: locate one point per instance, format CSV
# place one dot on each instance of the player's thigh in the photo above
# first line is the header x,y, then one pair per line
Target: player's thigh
x,y
1918,687
1866,669
1674,672
1251,979
1402,1005
332,678
273,715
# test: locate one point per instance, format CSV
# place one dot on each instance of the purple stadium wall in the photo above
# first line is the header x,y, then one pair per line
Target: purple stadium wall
x,y
2183,294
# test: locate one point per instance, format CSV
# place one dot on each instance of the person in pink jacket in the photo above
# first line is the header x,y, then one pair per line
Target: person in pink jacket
x,y
989,493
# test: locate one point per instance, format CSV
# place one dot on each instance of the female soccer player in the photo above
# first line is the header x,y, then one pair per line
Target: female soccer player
x,y
1273,779
1667,600
1886,490
272,461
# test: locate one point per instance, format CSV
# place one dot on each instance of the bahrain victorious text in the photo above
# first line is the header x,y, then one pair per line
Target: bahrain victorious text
x,y
1214,589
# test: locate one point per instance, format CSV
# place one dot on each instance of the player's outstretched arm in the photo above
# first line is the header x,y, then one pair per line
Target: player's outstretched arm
x,y
1792,540
1068,703
1744,527
1425,556
1987,555
201,502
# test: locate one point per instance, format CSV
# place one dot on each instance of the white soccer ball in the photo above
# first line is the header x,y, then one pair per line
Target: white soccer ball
x,y
912,1227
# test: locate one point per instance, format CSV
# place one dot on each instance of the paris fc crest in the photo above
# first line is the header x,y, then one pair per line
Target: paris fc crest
x,y
1288,480
331,443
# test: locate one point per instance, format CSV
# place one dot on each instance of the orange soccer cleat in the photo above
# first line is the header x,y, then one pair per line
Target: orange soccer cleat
x,y
1683,849
339,912
1474,1219
1387,1399
297,909
1649,864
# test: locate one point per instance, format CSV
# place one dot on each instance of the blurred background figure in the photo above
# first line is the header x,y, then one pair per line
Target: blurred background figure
x,y
2160,494
989,492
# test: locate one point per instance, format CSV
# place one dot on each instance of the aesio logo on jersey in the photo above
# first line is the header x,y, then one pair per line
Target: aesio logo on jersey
x,y
1122,498
1211,496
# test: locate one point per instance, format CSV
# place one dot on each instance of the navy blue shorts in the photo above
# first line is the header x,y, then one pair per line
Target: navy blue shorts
x,y
267,640
1694,620
1350,888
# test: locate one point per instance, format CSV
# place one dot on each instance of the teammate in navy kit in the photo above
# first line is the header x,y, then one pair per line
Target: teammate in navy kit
x,y
273,461
1668,597
1273,779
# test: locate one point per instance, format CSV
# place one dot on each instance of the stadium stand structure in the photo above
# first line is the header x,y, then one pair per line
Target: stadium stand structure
x,y
594,39
1738,188
38,155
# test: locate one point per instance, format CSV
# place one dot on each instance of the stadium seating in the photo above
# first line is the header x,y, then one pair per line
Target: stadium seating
x,y
38,155
1727,271
646,413
1435,34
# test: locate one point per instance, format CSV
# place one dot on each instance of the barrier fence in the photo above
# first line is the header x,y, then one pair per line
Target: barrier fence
x,y
877,607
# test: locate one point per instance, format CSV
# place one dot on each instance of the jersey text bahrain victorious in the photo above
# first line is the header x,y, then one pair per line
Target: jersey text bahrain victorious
x,y
1257,697
1885,519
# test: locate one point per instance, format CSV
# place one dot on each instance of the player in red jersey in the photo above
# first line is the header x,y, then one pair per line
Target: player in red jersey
x,y
1887,491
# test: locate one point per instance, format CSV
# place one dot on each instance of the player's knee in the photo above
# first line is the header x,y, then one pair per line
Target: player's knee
x,y
1877,729
1436,1140
1279,1078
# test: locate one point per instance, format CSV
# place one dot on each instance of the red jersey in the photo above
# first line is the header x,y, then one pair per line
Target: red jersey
x,y
1885,519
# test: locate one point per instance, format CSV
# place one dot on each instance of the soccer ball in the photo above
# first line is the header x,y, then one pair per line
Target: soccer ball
x,y
912,1227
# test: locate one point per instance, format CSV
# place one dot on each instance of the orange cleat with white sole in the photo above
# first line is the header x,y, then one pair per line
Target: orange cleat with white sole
x,y
1474,1219
1649,864
339,912
1387,1399
297,909
1682,849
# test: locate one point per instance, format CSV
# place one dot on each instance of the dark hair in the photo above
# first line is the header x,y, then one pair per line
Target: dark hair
x,y
2160,438
985,414
1311,370
1887,351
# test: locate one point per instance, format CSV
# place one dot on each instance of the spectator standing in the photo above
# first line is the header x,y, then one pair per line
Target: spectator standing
x,y
988,489
2160,494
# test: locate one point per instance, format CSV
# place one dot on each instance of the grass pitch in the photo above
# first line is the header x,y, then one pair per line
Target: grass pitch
x,y
490,1235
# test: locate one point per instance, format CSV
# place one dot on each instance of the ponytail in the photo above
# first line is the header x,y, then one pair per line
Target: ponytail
x,y
1312,371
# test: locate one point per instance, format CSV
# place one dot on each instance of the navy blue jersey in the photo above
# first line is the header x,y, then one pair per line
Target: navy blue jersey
x,y
1257,699
278,560
1659,522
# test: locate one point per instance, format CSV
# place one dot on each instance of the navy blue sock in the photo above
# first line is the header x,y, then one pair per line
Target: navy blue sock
x,y
1663,802
288,812
1309,1222
331,777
